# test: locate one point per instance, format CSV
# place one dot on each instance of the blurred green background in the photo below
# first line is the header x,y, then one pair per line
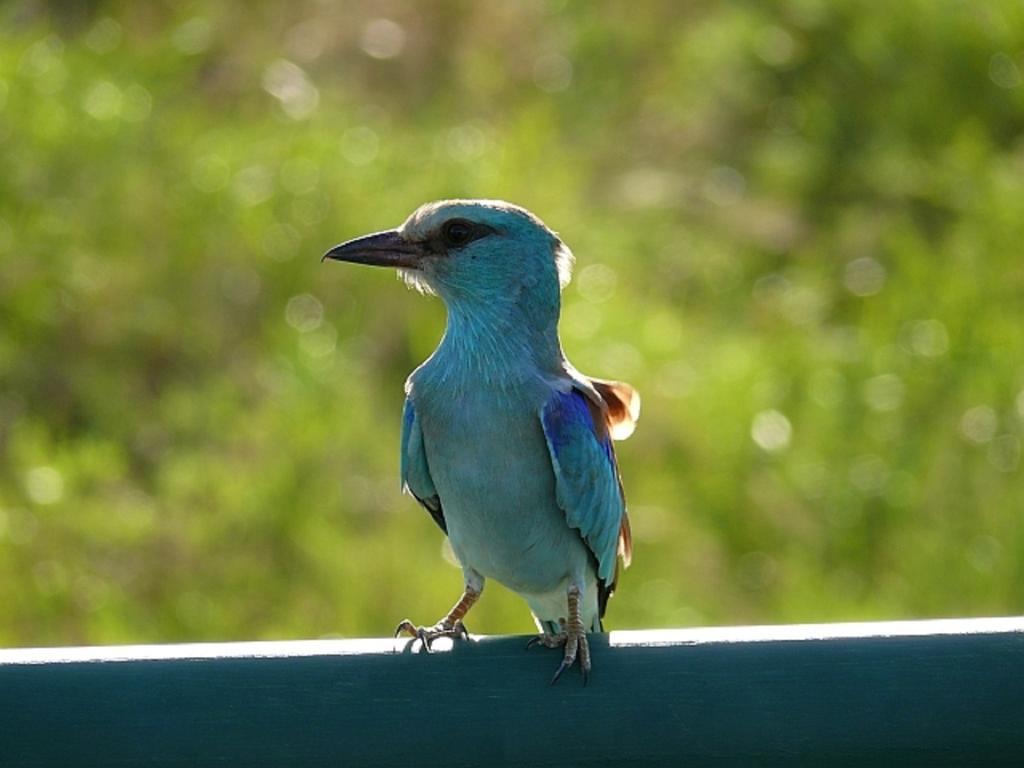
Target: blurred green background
x,y
799,229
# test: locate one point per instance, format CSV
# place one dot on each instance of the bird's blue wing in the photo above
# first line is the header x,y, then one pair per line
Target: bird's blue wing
x,y
415,472
586,476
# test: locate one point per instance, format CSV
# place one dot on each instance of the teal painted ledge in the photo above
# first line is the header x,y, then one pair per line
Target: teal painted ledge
x,y
929,693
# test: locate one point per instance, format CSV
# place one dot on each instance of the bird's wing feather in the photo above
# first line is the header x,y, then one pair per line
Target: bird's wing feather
x,y
415,472
622,404
587,477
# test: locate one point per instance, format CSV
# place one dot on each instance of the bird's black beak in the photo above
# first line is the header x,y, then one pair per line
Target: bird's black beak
x,y
381,249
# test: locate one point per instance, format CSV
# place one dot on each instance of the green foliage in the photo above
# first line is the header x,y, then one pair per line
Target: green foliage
x,y
799,233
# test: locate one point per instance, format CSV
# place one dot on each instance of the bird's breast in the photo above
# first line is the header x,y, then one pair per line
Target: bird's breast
x,y
490,464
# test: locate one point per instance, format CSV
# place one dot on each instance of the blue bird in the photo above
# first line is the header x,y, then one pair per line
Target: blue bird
x,y
505,444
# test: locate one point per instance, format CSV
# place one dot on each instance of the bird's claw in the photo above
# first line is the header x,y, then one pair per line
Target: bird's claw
x,y
427,635
575,646
566,663
461,633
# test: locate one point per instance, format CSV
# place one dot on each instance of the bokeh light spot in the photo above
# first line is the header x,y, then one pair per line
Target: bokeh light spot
x,y
647,187
465,142
884,392
771,431
359,145
775,46
596,283
320,342
1004,453
552,72
869,474
382,39
210,173
194,36
926,338
864,276
103,36
979,424
307,40
1003,71
44,63
103,101
304,312
253,185
44,485
288,83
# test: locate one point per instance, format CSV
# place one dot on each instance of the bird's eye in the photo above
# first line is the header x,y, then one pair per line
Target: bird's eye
x,y
457,232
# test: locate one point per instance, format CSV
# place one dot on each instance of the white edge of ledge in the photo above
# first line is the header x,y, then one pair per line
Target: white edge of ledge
x,y
772,633
616,639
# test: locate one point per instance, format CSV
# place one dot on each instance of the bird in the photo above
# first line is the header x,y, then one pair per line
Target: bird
x,y
504,443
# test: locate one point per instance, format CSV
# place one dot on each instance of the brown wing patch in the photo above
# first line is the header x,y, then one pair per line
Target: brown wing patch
x,y
622,404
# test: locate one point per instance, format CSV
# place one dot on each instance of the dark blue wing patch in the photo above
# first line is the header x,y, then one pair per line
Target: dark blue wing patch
x,y
563,414
586,478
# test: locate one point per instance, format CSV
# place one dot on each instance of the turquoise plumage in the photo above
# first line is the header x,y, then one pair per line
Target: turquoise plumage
x,y
414,470
504,443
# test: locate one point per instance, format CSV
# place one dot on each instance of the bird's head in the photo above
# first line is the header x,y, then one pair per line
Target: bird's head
x,y
470,252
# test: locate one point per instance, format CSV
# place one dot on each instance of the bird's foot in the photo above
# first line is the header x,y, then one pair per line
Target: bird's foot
x,y
427,635
548,641
575,643
451,625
